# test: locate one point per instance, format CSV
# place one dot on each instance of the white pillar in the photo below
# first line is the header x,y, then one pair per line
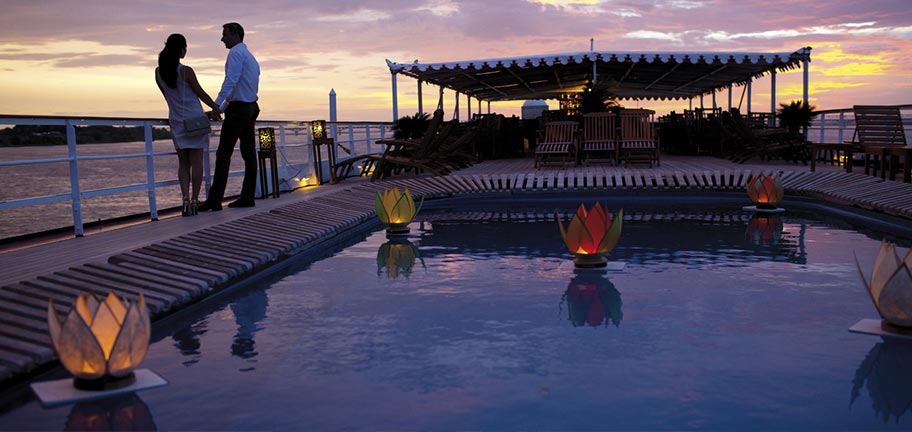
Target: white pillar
x,y
714,99
468,108
750,83
489,107
332,111
456,108
772,121
395,99
479,106
440,99
805,64
420,99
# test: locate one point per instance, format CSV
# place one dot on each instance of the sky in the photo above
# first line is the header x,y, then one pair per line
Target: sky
x,y
96,58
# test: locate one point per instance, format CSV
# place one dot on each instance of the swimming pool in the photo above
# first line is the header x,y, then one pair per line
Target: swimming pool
x,y
717,321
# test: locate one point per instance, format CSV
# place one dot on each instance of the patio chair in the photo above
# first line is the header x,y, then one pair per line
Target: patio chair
x,y
558,141
881,135
600,137
637,137
757,141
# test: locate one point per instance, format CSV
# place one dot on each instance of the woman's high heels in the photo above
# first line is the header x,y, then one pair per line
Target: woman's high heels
x,y
186,209
194,207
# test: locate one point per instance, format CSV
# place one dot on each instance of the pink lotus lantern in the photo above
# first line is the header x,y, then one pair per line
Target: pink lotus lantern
x,y
765,191
591,234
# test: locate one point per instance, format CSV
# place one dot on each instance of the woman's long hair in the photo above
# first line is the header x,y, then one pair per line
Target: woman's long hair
x,y
169,57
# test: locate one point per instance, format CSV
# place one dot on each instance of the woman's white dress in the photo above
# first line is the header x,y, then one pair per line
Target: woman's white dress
x,y
182,104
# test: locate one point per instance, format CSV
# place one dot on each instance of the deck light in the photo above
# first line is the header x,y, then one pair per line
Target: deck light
x,y
398,257
318,131
891,288
765,191
100,342
267,139
396,210
590,235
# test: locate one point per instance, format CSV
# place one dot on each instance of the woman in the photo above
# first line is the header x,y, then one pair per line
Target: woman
x,y
182,91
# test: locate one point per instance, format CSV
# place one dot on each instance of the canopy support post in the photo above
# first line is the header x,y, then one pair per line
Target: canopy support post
x,y
772,119
729,98
395,99
456,110
750,83
420,99
804,65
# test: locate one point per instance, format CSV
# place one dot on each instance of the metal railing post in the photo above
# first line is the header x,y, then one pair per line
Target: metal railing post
x,y
822,126
367,136
74,179
841,126
351,140
282,151
150,171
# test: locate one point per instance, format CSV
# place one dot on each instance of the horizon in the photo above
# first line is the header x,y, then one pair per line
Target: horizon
x,y
83,63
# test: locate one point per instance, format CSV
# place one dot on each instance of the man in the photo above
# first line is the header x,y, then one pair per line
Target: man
x,y
238,101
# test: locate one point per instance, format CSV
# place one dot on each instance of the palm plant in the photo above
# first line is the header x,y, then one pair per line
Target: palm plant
x,y
597,97
411,126
796,115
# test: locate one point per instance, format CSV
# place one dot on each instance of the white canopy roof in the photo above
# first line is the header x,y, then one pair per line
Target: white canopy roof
x,y
631,75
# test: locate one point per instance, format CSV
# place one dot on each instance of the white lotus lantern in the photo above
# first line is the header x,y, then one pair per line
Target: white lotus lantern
x,y
890,287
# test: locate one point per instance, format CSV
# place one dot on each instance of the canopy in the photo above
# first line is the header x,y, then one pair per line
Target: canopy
x,y
630,75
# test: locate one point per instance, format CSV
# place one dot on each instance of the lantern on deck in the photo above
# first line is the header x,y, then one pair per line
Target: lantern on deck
x,y
591,234
267,139
890,288
765,191
318,131
396,210
100,342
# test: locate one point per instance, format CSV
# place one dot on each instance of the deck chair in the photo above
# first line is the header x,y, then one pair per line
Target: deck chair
x,y
880,132
637,137
407,155
600,137
765,143
558,141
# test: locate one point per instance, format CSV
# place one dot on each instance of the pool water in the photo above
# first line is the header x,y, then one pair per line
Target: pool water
x,y
475,321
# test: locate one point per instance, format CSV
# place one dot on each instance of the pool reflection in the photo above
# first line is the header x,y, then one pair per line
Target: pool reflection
x,y
187,341
887,374
764,229
127,412
592,300
248,311
397,257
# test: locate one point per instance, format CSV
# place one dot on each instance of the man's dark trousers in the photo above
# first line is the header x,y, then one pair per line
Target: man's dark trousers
x,y
240,122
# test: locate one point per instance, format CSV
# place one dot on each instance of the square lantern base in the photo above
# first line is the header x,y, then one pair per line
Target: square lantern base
x,y
872,327
61,392
756,209
610,266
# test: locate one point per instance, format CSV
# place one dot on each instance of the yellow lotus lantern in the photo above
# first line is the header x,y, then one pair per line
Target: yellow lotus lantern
x,y
101,342
396,210
397,257
591,234
765,191
891,287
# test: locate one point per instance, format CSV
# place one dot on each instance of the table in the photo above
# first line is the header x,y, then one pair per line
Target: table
x,y
845,150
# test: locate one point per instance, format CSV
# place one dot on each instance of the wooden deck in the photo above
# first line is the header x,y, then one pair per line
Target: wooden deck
x,y
177,261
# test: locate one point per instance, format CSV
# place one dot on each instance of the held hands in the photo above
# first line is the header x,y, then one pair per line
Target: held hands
x,y
215,115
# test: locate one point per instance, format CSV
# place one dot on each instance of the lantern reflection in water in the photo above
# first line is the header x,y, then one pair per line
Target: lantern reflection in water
x,y
592,300
764,229
888,377
397,257
127,412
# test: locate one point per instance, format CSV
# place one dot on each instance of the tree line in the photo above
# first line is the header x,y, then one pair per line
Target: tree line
x,y
29,135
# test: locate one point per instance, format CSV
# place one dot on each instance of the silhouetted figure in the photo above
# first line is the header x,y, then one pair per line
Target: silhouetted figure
x,y
248,312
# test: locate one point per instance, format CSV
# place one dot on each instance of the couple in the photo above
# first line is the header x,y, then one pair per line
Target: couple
x,y
237,99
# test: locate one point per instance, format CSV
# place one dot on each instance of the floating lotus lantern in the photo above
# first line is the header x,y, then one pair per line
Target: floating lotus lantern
x,y
397,257
891,288
764,229
101,342
396,210
591,234
765,191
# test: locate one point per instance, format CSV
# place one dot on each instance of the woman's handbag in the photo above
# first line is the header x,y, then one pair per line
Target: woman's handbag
x,y
197,126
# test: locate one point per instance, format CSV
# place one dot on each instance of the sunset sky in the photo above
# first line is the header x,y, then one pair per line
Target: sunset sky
x,y
96,58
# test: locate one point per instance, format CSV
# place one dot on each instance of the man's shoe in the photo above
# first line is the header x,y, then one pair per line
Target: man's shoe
x,y
242,203
208,206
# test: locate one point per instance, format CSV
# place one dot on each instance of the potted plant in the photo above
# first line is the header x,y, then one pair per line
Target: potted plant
x,y
796,115
411,126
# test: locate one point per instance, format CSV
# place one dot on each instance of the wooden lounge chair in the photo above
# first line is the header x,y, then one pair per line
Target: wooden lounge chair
x,y
881,135
600,137
765,143
558,141
637,137
421,156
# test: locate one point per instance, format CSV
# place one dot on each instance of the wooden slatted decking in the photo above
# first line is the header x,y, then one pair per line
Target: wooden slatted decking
x,y
177,261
